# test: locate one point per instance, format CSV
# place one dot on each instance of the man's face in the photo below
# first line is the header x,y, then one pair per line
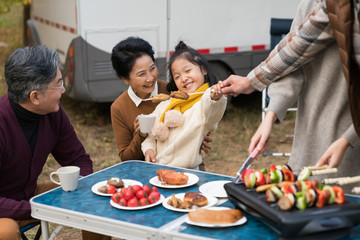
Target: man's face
x,y
50,97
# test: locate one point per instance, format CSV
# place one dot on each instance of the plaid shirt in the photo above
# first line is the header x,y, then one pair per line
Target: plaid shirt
x,y
295,49
356,32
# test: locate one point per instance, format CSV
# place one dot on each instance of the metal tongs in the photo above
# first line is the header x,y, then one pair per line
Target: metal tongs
x,y
247,163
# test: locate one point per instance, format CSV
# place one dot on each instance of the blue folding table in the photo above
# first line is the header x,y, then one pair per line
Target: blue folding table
x,y
85,210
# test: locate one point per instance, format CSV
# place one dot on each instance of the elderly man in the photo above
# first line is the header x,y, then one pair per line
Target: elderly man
x,y
32,125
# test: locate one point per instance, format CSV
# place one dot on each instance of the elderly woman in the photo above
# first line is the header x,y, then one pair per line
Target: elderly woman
x,y
133,60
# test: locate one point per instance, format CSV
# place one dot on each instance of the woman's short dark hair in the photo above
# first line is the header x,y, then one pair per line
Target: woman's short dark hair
x,y
193,56
28,69
125,53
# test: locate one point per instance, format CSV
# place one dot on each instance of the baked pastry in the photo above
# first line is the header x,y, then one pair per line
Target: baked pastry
x,y
194,198
178,203
116,182
172,177
209,216
179,95
160,97
102,189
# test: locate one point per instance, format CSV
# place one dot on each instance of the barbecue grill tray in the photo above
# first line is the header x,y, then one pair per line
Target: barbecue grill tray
x,y
294,223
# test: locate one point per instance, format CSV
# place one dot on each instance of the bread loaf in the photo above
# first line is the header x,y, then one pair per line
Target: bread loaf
x,y
160,97
179,95
209,216
172,177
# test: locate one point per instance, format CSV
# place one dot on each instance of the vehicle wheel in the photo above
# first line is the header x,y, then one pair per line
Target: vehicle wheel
x,y
222,73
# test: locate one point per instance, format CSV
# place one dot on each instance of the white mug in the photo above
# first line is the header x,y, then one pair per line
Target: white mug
x,y
68,176
146,122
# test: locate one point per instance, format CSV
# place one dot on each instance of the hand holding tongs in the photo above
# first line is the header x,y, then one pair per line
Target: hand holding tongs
x,y
247,163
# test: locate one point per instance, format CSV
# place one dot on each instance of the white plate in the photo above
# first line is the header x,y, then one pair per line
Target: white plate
x,y
193,179
116,205
127,182
211,202
237,223
214,188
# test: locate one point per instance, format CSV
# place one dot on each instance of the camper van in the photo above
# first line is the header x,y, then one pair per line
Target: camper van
x,y
234,35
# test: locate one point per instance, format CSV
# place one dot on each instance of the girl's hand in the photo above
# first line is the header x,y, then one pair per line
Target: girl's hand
x,y
150,156
334,154
137,128
216,91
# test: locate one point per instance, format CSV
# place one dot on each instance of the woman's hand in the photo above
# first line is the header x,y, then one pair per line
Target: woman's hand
x,y
205,146
150,156
216,92
137,128
334,154
263,132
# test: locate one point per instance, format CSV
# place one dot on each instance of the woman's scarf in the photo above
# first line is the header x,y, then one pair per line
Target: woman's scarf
x,y
183,105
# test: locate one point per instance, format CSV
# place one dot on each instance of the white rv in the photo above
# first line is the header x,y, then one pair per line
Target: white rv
x,y
234,35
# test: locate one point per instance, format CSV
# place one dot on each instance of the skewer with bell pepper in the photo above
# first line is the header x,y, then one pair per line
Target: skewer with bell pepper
x,y
304,194
275,174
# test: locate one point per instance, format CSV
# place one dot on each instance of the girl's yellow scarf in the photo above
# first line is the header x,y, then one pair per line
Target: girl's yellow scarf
x,y
183,105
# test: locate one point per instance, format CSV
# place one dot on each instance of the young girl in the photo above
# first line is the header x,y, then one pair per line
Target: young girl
x,y
134,62
181,125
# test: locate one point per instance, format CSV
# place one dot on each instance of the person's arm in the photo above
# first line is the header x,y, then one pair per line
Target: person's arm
x,y
284,93
205,146
18,210
128,143
148,147
295,49
10,208
213,105
263,132
68,150
334,155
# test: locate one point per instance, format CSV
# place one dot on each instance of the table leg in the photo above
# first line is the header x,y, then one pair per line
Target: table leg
x,y
44,230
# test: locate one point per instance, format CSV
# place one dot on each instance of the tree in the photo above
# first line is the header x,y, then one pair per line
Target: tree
x,y
5,8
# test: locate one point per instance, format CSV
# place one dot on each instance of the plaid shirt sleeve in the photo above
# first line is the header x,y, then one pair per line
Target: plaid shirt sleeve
x,y
295,49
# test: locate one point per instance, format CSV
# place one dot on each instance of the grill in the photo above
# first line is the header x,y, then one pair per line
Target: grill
x,y
295,223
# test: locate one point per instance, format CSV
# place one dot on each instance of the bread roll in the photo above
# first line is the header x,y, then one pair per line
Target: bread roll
x,y
209,216
116,182
195,198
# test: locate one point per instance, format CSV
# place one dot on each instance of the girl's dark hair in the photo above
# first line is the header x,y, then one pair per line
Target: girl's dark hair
x,y
125,53
190,54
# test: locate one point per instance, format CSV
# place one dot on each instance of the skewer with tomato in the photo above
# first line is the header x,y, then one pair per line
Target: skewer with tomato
x,y
304,194
275,174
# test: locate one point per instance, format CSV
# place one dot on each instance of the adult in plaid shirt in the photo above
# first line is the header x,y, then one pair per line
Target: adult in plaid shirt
x,y
298,47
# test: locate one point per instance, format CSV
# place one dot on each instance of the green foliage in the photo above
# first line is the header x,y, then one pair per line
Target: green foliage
x,y
6,4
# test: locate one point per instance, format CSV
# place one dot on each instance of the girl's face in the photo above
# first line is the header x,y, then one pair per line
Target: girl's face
x,y
143,76
188,77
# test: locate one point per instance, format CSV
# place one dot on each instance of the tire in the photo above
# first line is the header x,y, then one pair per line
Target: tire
x,y
34,38
222,73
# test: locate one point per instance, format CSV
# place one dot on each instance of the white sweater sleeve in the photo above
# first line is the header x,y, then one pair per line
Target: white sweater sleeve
x,y
212,110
